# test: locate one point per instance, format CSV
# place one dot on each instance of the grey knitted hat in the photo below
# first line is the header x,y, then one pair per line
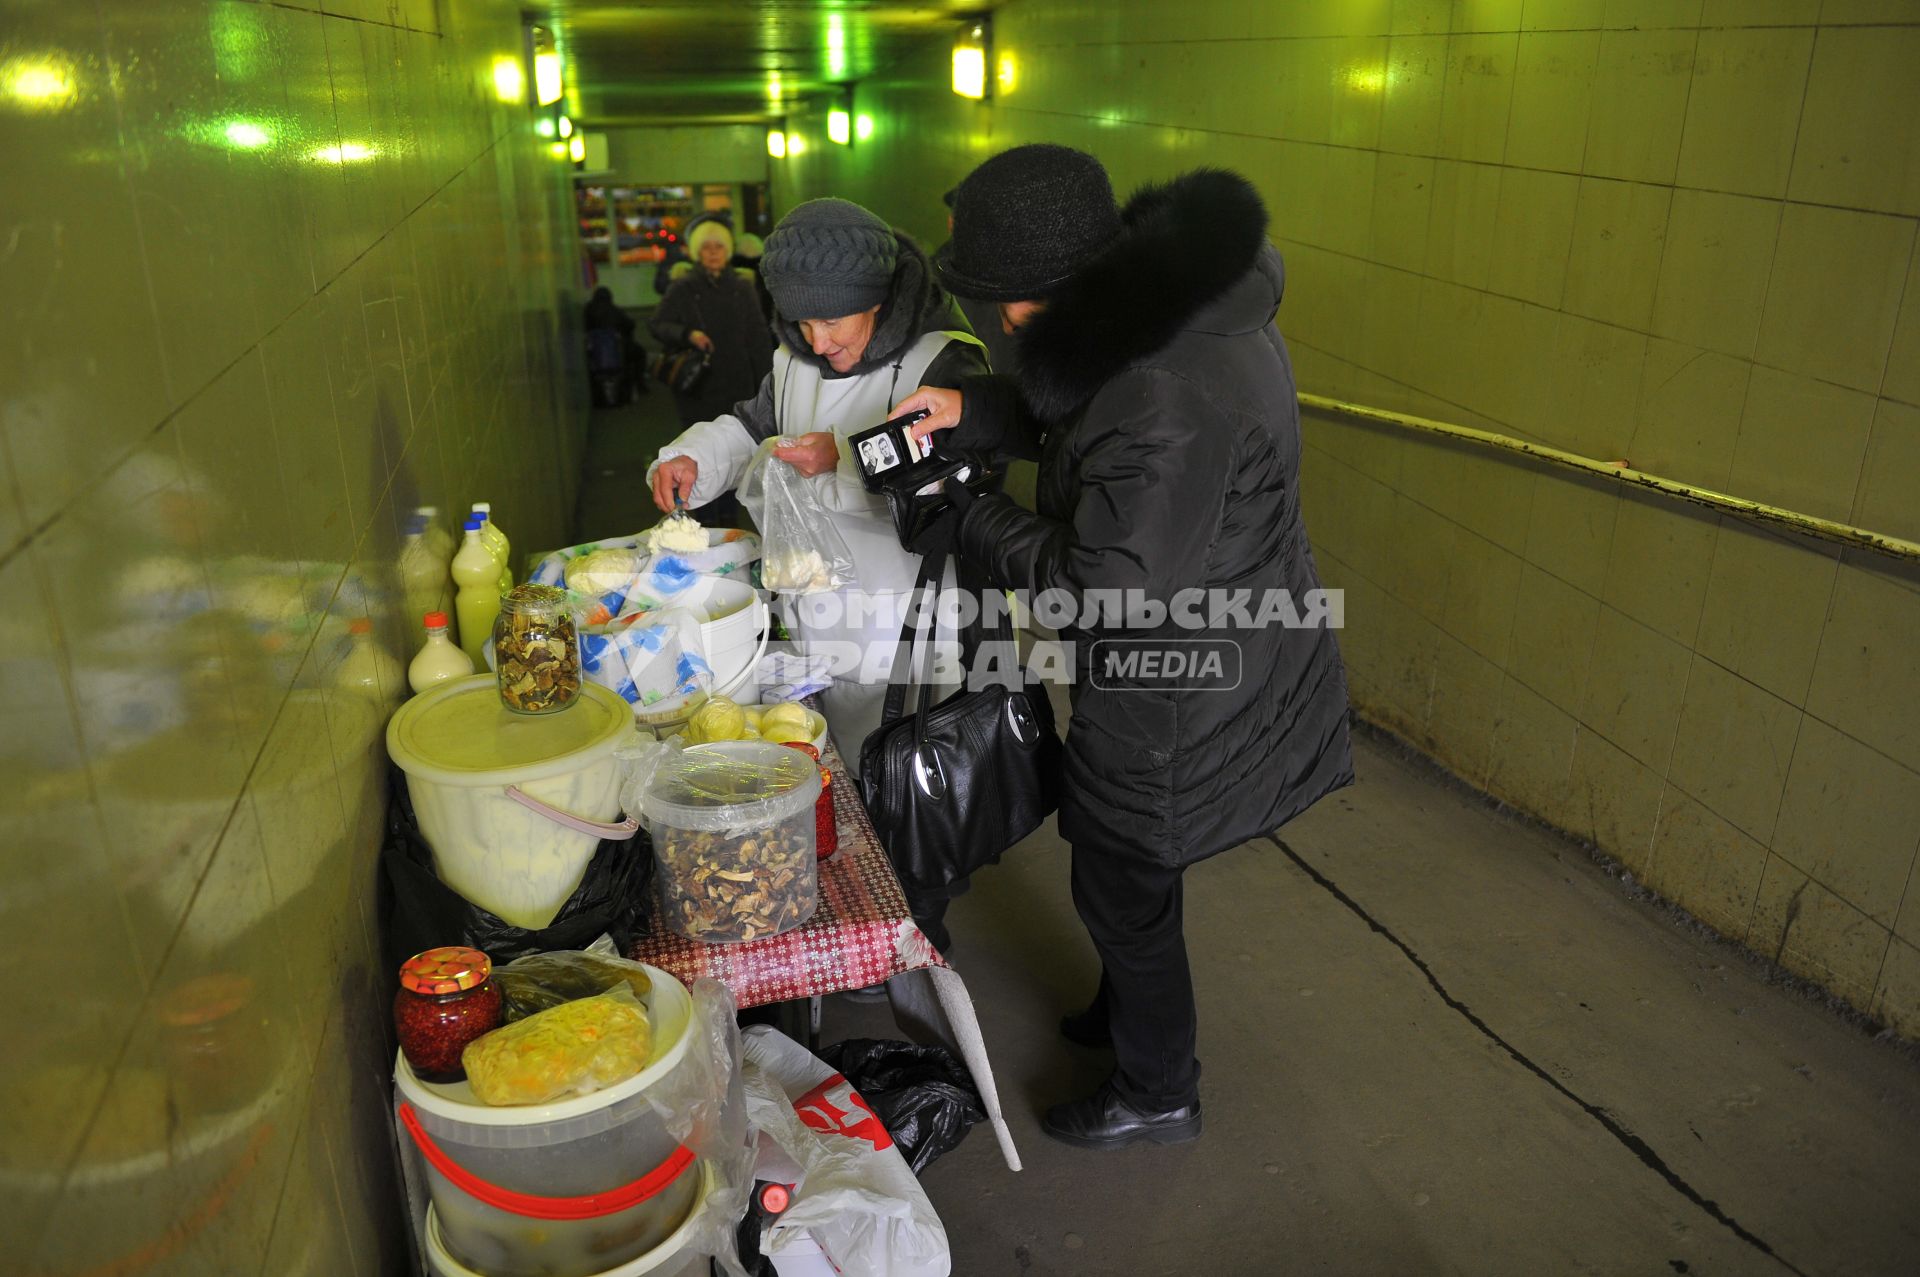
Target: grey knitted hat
x,y
828,258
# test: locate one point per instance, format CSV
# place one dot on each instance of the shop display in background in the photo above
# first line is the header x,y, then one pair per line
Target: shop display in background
x,y
537,650
446,1001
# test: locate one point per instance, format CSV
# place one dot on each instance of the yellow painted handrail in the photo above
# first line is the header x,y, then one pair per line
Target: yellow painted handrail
x,y
1754,511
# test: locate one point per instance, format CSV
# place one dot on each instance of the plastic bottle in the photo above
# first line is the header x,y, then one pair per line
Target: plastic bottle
x,y
422,577
497,542
439,659
368,669
439,541
477,601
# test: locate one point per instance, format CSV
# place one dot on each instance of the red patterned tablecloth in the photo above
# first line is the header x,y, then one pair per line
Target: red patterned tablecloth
x,y
861,933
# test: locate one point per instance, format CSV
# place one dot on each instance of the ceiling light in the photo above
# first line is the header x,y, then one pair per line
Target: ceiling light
x,y
970,61
577,148
546,78
863,127
566,127
839,126
509,81
776,144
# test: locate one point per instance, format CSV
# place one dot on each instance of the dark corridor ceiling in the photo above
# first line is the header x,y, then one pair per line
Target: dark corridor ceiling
x,y
722,61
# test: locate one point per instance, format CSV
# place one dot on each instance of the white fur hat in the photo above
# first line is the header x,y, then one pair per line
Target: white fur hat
x,y
701,232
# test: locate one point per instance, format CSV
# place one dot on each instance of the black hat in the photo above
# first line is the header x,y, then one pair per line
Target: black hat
x,y
1026,221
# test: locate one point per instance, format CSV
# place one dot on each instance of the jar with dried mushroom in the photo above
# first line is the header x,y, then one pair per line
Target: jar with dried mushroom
x,y
733,832
536,650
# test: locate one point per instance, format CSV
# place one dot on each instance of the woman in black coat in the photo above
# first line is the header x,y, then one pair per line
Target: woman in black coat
x,y
1156,393
715,308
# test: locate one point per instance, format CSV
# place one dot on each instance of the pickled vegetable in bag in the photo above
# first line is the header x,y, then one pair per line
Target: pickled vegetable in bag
x,y
576,1048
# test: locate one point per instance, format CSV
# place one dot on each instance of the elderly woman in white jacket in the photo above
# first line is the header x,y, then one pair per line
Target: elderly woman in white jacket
x,y
861,320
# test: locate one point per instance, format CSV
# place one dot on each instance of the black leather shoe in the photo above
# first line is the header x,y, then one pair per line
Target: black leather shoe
x,y
1087,1028
1104,1120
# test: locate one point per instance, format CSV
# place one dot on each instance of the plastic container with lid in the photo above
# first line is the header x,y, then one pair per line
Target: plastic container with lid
x,y
447,998
579,1186
536,650
733,832
439,658
513,807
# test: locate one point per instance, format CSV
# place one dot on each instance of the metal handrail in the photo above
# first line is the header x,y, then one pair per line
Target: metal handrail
x,y
1755,511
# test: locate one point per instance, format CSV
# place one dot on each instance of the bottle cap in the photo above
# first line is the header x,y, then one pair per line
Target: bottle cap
x,y
483,507
434,620
449,969
471,525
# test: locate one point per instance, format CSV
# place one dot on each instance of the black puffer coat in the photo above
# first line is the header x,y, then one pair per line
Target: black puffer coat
x,y
1157,395
727,309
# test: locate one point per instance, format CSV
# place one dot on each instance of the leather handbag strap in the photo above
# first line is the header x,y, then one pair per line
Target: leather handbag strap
x,y
933,568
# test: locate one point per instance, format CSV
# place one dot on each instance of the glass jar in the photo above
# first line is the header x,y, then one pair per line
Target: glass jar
x,y
220,1047
536,650
447,998
826,834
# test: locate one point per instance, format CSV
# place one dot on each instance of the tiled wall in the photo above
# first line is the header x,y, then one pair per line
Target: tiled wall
x,y
1677,232
270,278
688,153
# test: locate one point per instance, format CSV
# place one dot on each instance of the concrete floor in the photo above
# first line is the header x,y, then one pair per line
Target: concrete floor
x,y
1436,1040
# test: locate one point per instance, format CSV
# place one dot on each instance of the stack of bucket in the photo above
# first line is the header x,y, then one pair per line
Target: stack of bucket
x,y
592,1186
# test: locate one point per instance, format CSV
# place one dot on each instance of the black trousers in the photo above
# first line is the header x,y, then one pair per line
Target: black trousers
x,y
1132,910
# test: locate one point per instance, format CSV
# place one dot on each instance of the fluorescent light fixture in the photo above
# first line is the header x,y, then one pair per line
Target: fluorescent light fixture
x,y
970,62
839,126
547,84
509,81
863,127
39,84
543,126
776,144
345,153
566,127
796,144
577,148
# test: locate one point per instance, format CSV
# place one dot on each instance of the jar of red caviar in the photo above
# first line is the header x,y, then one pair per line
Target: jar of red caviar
x,y
826,833
447,998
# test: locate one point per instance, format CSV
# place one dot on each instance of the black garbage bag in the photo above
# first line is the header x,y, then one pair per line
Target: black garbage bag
x,y
418,911
924,1096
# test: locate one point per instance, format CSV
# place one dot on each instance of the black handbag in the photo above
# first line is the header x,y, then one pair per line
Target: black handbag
x,y
683,370
951,786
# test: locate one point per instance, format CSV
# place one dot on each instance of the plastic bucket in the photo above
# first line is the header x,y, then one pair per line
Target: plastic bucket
x,y
513,807
674,1257
733,626
557,1190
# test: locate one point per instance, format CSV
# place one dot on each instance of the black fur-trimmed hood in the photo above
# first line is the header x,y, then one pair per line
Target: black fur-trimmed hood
x,y
1184,245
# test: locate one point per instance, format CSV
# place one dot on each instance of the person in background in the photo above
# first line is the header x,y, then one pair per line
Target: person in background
x,y
714,309
1156,392
747,250
861,318
613,356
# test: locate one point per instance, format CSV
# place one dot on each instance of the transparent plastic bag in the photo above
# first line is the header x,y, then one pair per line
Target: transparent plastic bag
x,y
576,1048
804,552
543,981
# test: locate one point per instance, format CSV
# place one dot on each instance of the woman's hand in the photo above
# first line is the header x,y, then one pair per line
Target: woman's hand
x,y
700,340
674,478
941,405
810,454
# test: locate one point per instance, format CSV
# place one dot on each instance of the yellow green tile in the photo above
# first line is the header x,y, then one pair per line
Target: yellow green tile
x,y
1478,97
1897,1001
1531,763
1466,695
1552,645
1851,820
1640,82
1744,109
1873,11
1460,229
1402,200
1802,443
1885,502
1615,801
1416,86
1650,14
1859,142
1487,15
1562,15
1714,269
1613,264
1570,533
1760,13
1689,413
1634,691
1766,607
1705,865
1483,594
1862,683
1359,79
1662,554
1533,227
1598,371
1421,16
1903,360
1552,94
1835,294
1733,747
1814,933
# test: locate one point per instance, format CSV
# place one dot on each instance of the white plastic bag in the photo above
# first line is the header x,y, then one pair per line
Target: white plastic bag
x,y
804,552
647,657
855,1199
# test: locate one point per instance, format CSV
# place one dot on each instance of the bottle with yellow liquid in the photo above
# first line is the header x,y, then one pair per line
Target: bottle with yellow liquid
x,y
477,601
496,541
440,659
368,668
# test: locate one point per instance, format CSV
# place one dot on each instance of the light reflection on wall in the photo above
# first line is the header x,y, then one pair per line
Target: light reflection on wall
x,y
43,82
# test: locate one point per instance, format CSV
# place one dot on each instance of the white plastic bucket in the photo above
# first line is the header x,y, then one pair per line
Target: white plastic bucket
x,y
512,806
479,1158
733,628
674,1257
